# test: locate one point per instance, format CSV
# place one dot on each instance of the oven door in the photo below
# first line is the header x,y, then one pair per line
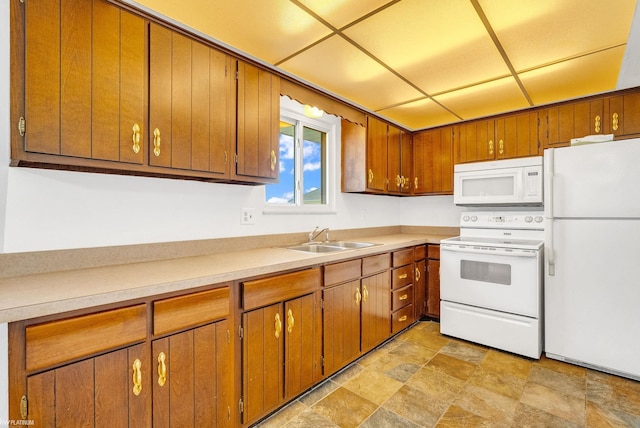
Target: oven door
x,y
503,279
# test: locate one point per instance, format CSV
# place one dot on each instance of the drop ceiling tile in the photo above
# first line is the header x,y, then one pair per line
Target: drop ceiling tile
x,y
425,113
342,12
340,68
539,32
590,74
268,30
438,45
499,96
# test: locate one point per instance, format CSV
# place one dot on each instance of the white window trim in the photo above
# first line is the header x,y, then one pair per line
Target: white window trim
x,y
290,109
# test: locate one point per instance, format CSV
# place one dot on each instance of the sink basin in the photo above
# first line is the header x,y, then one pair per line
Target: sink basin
x,y
329,247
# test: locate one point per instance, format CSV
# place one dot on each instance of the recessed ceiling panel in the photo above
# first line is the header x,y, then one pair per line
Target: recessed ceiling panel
x,y
590,74
268,30
498,96
438,45
539,32
419,114
339,67
342,12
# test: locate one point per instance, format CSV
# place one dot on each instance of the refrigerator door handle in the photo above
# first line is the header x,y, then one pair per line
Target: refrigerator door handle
x,y
548,206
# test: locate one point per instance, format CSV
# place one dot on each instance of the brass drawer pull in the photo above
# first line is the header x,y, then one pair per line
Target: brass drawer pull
x,y
490,147
370,176
615,121
365,293
417,274
278,326
415,183
358,296
402,318
403,276
500,147
403,297
162,368
136,138
290,321
156,142
137,377
597,124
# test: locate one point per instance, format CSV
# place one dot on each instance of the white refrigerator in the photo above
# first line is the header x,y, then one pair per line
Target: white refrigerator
x,y
592,256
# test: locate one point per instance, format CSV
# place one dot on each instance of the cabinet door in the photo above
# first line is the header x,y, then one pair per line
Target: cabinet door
x,y
262,360
85,80
341,325
394,160
190,104
376,310
433,161
98,392
258,119
406,161
517,136
433,288
376,154
302,345
476,142
191,378
420,288
622,116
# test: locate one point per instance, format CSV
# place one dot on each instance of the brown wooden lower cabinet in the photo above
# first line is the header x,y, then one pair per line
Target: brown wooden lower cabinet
x,y
375,310
433,287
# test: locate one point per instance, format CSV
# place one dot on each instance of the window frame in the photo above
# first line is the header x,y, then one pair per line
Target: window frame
x,y
292,112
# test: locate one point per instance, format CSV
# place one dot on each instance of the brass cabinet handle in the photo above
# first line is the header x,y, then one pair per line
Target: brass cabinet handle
x,y
500,147
403,297
370,176
162,368
358,296
403,276
397,181
415,183
365,293
274,160
136,138
156,142
614,121
290,321
597,124
402,318
490,147
278,326
417,274
137,377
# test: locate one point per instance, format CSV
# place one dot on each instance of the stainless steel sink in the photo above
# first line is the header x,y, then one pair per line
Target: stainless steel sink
x,y
329,247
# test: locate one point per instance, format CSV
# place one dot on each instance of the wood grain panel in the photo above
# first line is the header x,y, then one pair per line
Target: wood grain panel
x,y
42,398
59,341
419,252
160,93
200,101
631,108
420,289
74,396
401,298
181,92
42,76
111,396
433,288
353,145
402,276
376,309
140,405
225,376
265,123
180,312
341,326
402,257
105,82
341,272
300,347
248,114
222,115
279,288
75,73
377,263
161,396
376,154
433,251
205,376
402,319
181,373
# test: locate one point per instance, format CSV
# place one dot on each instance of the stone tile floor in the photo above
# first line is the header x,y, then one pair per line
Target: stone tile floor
x,y
424,379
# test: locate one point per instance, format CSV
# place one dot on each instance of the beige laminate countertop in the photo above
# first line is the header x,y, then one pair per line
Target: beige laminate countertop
x,y
35,295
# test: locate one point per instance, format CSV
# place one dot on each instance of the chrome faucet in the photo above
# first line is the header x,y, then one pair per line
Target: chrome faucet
x,y
313,235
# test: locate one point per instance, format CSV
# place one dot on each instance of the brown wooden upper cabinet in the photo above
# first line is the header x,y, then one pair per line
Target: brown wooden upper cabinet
x,y
190,104
399,150
84,80
505,137
433,162
258,121
377,132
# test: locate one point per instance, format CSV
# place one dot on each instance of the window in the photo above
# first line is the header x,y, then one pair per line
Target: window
x,y
306,146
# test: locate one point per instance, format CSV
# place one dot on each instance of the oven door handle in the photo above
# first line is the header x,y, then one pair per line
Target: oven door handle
x,y
516,253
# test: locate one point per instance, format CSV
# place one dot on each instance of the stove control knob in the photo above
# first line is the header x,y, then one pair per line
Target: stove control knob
x,y
528,219
539,219
474,218
465,218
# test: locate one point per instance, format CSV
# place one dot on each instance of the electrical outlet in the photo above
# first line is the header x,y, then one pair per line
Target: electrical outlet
x,y
248,216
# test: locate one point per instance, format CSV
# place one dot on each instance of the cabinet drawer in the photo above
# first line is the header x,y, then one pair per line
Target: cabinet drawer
x,y
342,272
402,257
375,264
402,319
401,298
419,252
177,313
434,252
263,292
65,340
402,277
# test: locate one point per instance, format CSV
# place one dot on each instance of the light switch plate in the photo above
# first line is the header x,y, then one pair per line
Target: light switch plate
x,y
248,216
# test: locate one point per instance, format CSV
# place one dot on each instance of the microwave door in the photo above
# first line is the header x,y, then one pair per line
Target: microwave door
x,y
488,187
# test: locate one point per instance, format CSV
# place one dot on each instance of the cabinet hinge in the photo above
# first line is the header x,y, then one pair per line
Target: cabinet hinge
x,y
237,75
321,303
322,362
24,407
236,158
241,406
240,332
22,126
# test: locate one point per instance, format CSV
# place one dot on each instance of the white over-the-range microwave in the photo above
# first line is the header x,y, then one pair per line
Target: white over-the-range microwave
x,y
508,182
